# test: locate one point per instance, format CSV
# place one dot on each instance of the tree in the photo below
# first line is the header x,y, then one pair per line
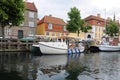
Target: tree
x,y
76,24
112,28
11,13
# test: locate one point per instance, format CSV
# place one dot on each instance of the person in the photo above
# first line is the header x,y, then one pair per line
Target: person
x,y
111,41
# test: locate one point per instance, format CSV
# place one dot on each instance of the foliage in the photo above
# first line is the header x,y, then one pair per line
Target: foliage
x,y
112,28
11,11
75,23
86,28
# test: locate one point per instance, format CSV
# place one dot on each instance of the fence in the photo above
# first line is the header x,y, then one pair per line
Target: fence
x,y
15,44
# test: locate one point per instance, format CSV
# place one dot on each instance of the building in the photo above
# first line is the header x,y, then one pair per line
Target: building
x,y
52,26
98,26
28,27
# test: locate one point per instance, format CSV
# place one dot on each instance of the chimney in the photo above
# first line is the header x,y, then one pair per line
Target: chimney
x,y
98,15
108,18
50,15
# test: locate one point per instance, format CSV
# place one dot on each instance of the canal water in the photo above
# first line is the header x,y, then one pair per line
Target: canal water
x,y
89,66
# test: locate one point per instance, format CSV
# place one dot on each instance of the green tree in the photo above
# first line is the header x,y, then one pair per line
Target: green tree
x,y
112,29
11,13
75,23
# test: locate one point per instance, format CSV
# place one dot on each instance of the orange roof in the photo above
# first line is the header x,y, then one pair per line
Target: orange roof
x,y
30,6
91,17
52,20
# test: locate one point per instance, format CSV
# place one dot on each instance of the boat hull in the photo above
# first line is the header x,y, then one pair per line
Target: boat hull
x,y
53,48
109,48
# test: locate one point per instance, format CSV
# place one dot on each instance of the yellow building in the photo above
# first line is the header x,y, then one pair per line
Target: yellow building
x,y
52,26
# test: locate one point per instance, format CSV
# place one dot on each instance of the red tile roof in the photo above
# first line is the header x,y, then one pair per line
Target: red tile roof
x,y
30,6
52,20
91,17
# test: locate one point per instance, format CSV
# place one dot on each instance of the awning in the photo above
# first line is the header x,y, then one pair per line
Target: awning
x,y
28,39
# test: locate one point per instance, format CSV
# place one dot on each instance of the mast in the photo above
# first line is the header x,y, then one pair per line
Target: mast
x,y
105,22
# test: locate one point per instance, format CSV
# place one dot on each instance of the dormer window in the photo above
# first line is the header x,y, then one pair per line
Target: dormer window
x,y
49,26
64,28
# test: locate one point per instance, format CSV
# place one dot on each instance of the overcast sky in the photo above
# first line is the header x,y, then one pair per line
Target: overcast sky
x,y
60,8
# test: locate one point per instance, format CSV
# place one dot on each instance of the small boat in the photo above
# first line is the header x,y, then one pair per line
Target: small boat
x,y
109,48
58,48
53,47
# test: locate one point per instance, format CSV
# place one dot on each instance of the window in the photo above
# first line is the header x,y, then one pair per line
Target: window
x,y
31,24
64,28
58,34
31,14
53,34
31,33
62,34
47,33
20,34
49,26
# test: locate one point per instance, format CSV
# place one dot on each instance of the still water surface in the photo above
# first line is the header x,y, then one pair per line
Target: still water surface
x,y
91,66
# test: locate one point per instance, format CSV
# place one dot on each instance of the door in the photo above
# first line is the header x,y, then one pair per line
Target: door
x,y
20,34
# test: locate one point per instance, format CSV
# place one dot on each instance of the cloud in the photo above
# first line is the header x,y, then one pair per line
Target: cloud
x,y
60,8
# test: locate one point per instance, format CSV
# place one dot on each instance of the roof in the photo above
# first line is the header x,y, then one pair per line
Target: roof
x,y
91,17
52,20
30,6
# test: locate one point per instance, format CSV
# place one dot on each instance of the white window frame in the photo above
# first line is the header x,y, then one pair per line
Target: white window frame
x,y
31,33
53,34
31,24
64,28
50,26
31,14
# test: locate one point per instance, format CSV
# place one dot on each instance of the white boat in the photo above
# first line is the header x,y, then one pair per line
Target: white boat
x,y
58,48
106,46
53,47
109,48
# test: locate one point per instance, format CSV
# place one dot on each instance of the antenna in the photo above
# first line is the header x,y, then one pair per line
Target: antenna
x,y
105,18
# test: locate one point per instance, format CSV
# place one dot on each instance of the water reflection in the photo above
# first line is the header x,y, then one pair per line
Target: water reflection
x,y
50,60
74,68
92,66
103,66
62,67
17,62
51,67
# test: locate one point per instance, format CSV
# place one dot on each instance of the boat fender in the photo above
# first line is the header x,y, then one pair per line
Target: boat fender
x,y
69,51
77,51
73,50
